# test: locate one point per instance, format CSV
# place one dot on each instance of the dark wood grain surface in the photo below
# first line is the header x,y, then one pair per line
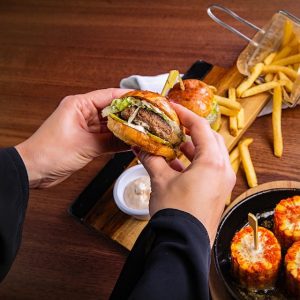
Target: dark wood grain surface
x,y
50,49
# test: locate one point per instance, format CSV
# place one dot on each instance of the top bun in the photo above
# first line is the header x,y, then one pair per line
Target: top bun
x,y
197,96
156,100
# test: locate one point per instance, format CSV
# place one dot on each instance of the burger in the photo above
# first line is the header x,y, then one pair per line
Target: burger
x,y
147,120
199,98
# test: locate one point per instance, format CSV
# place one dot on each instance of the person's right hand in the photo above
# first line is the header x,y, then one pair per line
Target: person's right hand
x,y
70,138
202,188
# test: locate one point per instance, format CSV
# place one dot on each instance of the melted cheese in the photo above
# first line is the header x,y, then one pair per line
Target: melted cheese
x,y
248,251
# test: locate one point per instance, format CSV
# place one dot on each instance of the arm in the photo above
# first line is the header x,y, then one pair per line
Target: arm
x,y
76,129
170,260
13,203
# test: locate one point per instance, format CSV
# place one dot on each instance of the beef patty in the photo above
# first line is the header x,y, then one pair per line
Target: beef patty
x,y
153,123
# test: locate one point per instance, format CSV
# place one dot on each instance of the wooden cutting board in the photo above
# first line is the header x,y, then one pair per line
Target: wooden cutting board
x,y
106,218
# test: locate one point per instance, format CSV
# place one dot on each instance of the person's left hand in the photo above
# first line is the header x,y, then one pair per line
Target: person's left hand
x,y
70,138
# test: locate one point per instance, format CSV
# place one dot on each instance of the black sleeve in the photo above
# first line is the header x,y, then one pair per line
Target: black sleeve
x,y
13,203
170,260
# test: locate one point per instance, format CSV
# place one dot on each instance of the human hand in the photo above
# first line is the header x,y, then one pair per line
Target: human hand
x,y
70,138
202,188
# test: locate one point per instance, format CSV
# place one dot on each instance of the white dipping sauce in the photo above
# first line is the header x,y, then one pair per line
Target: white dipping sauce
x,y
137,193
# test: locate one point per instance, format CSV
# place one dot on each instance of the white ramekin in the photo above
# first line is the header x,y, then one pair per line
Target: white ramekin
x,y
125,178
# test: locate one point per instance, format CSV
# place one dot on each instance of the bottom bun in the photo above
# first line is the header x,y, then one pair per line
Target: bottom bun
x,y
134,137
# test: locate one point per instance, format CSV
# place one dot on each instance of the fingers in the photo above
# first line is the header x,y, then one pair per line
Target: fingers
x,y
225,155
202,135
206,145
221,143
102,98
199,128
103,127
176,165
156,166
188,150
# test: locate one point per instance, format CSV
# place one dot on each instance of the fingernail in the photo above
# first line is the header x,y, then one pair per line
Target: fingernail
x,y
136,150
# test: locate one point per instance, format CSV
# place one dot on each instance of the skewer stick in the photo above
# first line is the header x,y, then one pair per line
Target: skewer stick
x,y
171,80
253,223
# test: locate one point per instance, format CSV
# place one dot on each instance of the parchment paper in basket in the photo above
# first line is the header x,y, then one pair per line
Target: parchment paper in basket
x,y
265,41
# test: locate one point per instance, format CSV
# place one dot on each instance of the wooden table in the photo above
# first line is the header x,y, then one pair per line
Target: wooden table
x,y
50,49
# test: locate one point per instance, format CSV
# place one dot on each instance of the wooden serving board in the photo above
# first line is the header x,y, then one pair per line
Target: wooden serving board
x,y
106,218
217,287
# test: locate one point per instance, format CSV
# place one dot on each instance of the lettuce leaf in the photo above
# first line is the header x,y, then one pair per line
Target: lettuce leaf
x,y
118,105
212,117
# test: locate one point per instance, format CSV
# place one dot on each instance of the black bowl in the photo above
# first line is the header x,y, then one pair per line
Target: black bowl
x,y
262,205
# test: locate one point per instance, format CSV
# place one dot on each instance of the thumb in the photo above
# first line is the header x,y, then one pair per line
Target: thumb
x,y
156,166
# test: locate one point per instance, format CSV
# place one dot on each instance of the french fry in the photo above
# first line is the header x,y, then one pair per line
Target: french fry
x,y
235,165
233,126
228,103
227,111
294,42
268,60
284,52
228,200
241,119
232,94
285,94
269,77
288,83
296,67
246,84
247,162
260,89
294,51
287,32
294,59
234,154
276,122
247,142
275,69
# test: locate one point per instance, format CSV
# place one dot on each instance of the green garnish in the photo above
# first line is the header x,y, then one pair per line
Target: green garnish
x,y
113,116
158,139
120,104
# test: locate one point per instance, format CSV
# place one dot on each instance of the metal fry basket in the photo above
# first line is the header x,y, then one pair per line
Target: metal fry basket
x,y
266,40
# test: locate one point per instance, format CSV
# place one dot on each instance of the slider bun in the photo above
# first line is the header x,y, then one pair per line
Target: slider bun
x,y
156,100
197,96
134,137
